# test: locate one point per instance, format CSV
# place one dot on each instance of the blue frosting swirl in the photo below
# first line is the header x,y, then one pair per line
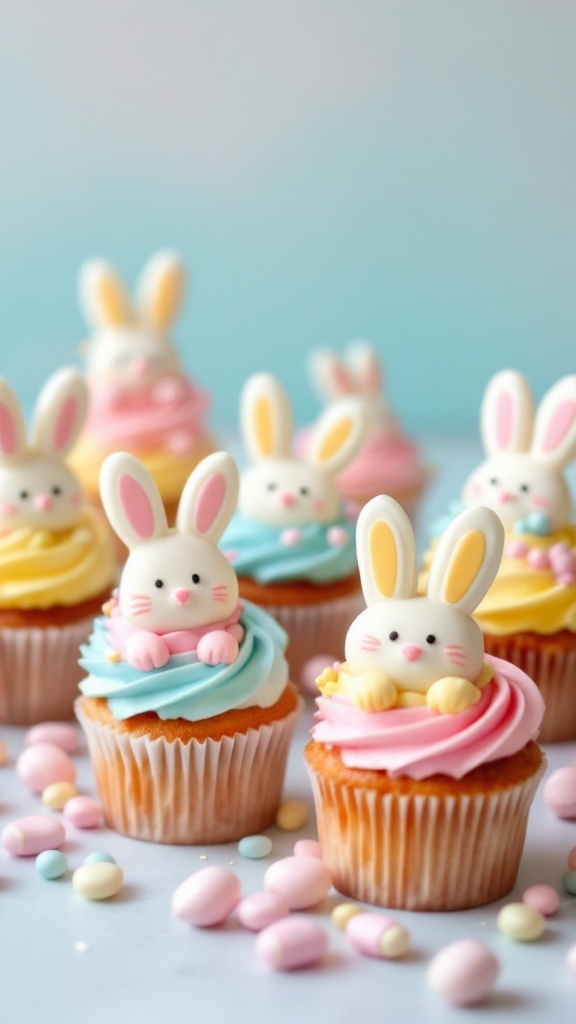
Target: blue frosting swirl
x,y
184,687
258,552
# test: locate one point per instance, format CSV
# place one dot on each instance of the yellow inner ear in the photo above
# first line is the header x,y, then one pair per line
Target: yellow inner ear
x,y
464,566
383,558
166,298
263,426
334,440
112,302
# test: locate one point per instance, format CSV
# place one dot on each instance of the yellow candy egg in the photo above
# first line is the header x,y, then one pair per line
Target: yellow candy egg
x,y
57,795
291,815
343,913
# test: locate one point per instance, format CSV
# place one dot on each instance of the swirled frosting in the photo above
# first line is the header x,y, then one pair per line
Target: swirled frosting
x,y
388,463
417,742
185,687
312,553
41,569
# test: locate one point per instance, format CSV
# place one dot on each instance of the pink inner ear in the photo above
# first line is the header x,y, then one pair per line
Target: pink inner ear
x,y
8,438
341,378
209,502
65,423
136,505
504,411
373,377
559,425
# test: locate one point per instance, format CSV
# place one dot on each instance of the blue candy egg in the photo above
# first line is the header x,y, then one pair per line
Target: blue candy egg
x,y
255,847
51,864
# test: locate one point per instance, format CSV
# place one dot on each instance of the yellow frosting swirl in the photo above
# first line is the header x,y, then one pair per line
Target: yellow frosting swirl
x,y
170,470
41,569
522,598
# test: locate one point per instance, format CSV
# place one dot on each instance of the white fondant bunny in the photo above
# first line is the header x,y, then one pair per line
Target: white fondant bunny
x,y
281,489
522,478
404,649
37,489
131,345
176,584
357,373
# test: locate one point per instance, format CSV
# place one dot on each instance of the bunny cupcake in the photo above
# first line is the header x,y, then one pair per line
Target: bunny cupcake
x,y
388,462
56,561
187,707
141,401
290,542
423,763
529,613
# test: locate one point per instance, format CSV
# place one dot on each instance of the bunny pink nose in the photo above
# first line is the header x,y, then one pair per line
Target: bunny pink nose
x,y
43,502
140,366
411,651
181,594
287,499
506,497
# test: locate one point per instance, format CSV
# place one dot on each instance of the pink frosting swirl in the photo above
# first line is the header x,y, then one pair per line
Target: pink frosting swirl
x,y
388,463
168,414
419,742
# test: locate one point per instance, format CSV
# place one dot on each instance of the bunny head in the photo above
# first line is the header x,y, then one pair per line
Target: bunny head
x,y
358,373
37,489
526,453
130,345
174,579
281,489
419,640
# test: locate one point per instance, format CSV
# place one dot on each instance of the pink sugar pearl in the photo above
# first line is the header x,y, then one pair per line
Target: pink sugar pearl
x,y
566,579
293,943
61,734
538,559
207,897
560,552
260,910
42,764
337,536
82,812
290,537
572,859
543,898
560,792
313,668
516,549
307,848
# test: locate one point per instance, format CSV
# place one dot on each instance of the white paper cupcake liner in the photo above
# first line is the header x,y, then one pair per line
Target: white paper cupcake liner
x,y
189,793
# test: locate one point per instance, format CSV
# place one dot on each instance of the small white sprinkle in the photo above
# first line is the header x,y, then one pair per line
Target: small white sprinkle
x,y
203,856
82,947
230,861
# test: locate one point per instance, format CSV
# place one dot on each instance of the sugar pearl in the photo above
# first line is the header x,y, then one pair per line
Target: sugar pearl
x,y
255,847
520,922
572,859
207,897
301,881
56,796
292,943
464,972
32,835
378,936
569,882
291,815
261,909
51,864
566,579
307,848
83,812
344,913
337,536
98,881
538,559
42,764
543,898
290,537
61,734
516,549
560,792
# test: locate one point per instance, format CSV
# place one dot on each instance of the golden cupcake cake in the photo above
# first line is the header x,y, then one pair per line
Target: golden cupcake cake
x,y
56,560
423,761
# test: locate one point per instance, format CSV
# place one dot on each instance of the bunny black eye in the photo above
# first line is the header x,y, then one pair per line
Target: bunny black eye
x,y
393,635
430,639
494,480
24,495
159,583
56,491
524,487
304,491
271,487
195,577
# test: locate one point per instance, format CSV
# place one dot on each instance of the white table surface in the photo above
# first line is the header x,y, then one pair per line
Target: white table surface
x,y
64,960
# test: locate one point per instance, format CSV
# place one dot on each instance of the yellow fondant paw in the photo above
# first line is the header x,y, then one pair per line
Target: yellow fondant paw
x,y
327,682
485,676
452,694
372,691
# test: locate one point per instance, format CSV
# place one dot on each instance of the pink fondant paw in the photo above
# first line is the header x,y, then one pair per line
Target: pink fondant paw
x,y
237,631
146,651
217,648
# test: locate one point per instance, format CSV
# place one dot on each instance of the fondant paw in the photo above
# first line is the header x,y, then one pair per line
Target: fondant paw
x,y
372,691
452,694
217,648
146,651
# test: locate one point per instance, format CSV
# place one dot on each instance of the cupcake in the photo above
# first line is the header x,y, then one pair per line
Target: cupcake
x,y
389,462
187,707
529,613
423,761
140,400
291,542
56,560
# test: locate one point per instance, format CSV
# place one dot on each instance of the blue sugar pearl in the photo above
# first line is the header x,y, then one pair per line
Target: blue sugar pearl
x,y
255,847
51,864
98,858
569,882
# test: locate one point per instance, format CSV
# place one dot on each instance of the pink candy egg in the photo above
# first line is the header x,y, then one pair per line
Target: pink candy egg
x,y
82,812
260,910
29,836
572,859
464,972
378,936
301,881
313,668
307,848
207,898
292,943
543,898
42,764
59,733
560,792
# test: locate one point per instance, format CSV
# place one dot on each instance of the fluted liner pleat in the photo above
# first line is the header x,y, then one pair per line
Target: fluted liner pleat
x,y
422,851
39,672
189,793
553,669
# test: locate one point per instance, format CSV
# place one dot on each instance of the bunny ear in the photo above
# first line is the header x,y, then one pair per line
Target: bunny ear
x,y
365,366
338,435
209,498
161,290
555,429
12,426
60,412
131,500
265,418
467,559
103,297
507,415
329,376
386,551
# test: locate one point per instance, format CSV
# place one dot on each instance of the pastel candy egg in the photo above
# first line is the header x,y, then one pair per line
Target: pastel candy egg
x,y
543,898
571,960
98,881
292,943
29,836
292,815
301,881
313,668
51,864
61,734
99,858
560,792
42,764
82,812
572,859
57,795
464,972
378,936
520,922
307,848
207,898
261,909
344,913
569,882
255,847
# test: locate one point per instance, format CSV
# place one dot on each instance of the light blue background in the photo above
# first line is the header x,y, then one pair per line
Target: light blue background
x,y
328,168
